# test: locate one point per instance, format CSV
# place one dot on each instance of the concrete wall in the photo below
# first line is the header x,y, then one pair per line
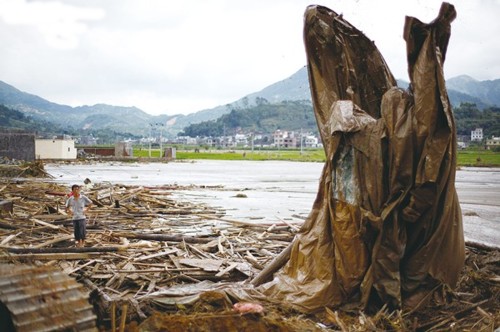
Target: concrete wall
x,y
99,151
124,149
55,149
170,154
17,145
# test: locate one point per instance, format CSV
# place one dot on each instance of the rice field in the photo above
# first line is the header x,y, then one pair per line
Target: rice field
x,y
471,158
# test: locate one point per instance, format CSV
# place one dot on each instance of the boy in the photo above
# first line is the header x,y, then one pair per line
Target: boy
x,y
77,205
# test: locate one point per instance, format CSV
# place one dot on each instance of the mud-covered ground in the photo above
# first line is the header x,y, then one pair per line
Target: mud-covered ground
x,y
275,190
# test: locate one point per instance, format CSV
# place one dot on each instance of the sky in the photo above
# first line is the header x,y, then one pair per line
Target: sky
x,y
180,57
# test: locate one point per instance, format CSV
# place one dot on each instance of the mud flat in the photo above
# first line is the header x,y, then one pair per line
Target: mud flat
x,y
267,191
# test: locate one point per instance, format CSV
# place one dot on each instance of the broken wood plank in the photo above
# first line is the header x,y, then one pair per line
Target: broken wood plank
x,y
205,264
272,267
62,256
164,237
227,269
81,266
63,250
46,224
163,253
8,238
8,225
53,241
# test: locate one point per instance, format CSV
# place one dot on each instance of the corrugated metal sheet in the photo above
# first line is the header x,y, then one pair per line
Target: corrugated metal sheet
x,y
43,299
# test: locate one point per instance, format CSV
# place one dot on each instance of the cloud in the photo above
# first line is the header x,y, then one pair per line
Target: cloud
x,y
58,23
185,56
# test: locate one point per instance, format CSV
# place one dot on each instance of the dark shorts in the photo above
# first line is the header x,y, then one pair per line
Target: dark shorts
x,y
80,227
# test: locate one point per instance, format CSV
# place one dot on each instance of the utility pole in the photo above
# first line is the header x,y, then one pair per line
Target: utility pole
x,y
252,137
301,141
150,133
161,142
161,138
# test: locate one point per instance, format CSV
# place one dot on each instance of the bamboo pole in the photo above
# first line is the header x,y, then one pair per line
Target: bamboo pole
x,y
272,267
164,237
8,238
61,256
124,317
62,250
54,240
113,316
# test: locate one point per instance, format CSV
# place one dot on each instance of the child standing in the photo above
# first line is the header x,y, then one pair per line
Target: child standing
x,y
76,205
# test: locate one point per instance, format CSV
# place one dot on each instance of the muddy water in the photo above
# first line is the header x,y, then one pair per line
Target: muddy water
x,y
278,190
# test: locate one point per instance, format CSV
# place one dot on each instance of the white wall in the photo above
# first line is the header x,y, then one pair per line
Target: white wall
x,y
55,149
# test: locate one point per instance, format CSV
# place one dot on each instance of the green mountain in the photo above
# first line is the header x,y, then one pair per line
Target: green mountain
x,y
13,119
133,121
264,118
465,89
100,116
488,92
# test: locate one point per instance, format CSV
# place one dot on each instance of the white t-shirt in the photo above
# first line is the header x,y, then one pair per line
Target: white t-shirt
x,y
77,205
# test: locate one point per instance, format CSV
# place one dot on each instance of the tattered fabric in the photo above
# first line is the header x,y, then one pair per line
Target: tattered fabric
x,y
386,224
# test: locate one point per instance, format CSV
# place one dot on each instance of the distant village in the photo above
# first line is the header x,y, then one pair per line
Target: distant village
x,y
25,146
280,139
477,136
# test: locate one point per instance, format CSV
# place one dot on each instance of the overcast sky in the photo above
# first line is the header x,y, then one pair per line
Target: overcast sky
x,y
170,57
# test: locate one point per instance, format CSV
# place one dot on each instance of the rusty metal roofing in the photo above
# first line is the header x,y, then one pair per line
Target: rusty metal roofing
x,y
43,299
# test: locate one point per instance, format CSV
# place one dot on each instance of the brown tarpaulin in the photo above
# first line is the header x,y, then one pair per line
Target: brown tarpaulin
x,y
386,224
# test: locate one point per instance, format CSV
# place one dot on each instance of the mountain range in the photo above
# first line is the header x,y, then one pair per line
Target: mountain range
x,y
132,120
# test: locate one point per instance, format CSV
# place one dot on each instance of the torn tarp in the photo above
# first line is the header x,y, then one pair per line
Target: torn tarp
x,y
386,224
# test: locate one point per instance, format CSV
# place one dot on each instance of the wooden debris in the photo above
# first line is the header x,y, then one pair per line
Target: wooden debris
x,y
145,244
150,252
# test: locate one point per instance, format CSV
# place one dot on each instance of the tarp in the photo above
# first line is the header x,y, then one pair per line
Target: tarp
x,y
386,226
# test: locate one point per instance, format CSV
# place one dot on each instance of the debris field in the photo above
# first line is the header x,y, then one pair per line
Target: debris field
x,y
149,260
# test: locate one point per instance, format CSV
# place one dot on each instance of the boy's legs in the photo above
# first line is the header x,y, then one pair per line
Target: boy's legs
x,y
76,233
79,229
83,225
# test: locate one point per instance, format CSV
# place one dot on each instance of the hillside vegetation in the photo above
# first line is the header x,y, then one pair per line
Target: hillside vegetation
x,y
468,117
264,118
13,119
133,121
297,115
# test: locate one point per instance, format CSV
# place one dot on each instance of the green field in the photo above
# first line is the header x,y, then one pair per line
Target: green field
x,y
291,155
479,158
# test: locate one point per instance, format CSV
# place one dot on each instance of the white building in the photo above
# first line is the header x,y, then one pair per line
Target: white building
x,y
279,137
311,141
241,139
55,148
187,140
476,135
492,142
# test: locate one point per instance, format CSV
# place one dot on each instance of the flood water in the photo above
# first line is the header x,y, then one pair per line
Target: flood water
x,y
277,190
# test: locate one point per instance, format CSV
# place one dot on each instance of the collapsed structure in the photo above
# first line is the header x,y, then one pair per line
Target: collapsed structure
x,y
386,225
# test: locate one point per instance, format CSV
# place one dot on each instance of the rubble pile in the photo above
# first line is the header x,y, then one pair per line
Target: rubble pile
x,y
140,243
18,168
155,261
